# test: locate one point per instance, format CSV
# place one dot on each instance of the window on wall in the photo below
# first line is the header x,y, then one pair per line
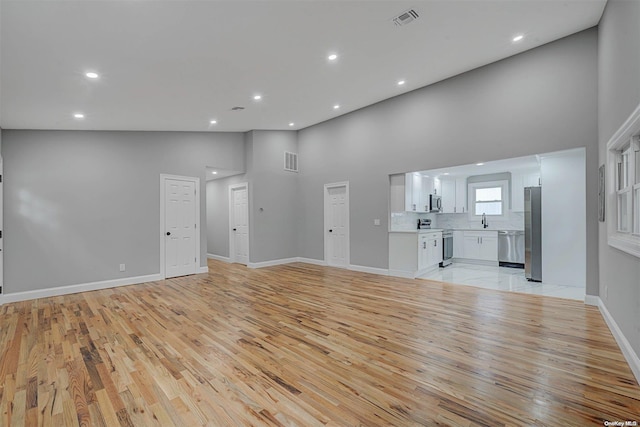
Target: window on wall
x,y
628,187
623,187
489,198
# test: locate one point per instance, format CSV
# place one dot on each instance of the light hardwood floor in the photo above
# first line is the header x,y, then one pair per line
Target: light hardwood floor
x,y
309,346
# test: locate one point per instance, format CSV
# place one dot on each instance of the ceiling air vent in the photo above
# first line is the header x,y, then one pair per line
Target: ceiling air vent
x,y
290,161
405,17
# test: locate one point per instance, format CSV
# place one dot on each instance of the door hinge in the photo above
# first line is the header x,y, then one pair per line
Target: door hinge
x,y
0,178
0,234
195,225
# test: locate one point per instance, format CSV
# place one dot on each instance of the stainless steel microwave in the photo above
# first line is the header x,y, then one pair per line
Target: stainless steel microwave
x,y
435,203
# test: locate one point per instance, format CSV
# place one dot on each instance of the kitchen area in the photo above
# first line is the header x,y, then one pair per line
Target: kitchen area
x,y
484,225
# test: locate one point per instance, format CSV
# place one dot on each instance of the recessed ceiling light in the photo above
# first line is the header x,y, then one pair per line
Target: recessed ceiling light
x,y
518,38
213,122
257,97
291,124
332,57
78,115
335,107
480,164
401,82
214,172
91,75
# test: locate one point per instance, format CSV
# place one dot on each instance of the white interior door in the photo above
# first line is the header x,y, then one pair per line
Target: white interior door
x,y
180,227
336,208
239,222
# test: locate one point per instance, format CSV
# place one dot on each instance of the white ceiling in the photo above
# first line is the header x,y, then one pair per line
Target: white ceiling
x,y
526,163
175,65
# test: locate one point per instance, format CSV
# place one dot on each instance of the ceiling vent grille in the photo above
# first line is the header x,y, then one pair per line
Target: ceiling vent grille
x,y
406,17
290,161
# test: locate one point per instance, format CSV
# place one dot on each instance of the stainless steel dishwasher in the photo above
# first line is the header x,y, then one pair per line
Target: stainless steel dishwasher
x,y
511,248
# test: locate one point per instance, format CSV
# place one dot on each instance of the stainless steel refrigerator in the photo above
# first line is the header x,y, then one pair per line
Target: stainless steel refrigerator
x,y
533,233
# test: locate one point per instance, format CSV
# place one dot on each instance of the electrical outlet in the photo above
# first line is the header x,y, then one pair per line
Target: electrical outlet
x,y
376,222
122,267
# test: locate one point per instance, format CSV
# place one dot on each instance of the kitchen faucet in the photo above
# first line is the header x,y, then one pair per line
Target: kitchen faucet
x,y
484,222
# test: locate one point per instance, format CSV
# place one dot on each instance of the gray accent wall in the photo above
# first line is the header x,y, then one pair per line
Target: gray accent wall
x,y
618,96
273,204
543,100
79,203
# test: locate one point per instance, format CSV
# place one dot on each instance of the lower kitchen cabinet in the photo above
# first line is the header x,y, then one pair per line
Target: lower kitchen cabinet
x,y
412,254
479,246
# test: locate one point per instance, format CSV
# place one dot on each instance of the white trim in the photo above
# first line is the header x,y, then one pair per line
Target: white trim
x,y
196,181
219,258
401,273
232,188
202,270
372,270
344,184
625,242
591,300
272,262
477,261
320,262
84,287
623,343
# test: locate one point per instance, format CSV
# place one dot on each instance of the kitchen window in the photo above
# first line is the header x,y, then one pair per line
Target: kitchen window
x,y
623,187
489,198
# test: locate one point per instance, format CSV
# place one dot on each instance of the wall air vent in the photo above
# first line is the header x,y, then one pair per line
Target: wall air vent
x,y
290,161
405,17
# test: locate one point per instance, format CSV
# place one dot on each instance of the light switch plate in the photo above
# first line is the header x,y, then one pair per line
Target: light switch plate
x,y
376,222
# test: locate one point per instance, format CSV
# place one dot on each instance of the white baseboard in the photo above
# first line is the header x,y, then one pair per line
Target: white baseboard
x,y
592,300
401,273
72,289
627,351
312,261
272,262
372,270
219,257
201,270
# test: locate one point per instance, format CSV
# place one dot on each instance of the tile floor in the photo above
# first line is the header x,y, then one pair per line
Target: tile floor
x,y
503,279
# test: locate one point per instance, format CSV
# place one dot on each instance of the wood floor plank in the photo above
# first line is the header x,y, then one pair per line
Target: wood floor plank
x,y
306,345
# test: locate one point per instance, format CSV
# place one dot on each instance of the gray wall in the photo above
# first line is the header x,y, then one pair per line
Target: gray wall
x,y
272,230
79,203
540,101
618,96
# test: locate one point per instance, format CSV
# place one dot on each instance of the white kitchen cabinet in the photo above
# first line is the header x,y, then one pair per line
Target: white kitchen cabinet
x,y
412,254
448,189
415,200
458,244
520,180
454,195
461,195
480,245
434,244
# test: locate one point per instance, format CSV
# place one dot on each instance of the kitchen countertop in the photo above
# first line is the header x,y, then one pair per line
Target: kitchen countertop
x,y
422,230
427,230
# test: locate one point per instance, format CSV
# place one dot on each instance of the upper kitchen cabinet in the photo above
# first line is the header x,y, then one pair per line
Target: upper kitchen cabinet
x,y
454,195
520,180
410,192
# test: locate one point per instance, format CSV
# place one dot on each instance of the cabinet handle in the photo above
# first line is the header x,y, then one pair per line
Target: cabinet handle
x,y
435,243
414,206
424,245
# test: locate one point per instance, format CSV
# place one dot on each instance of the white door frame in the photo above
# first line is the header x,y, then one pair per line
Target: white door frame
x,y
326,221
196,180
232,240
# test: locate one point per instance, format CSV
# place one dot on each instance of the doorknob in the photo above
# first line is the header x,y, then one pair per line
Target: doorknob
x,y
234,229
330,231
168,233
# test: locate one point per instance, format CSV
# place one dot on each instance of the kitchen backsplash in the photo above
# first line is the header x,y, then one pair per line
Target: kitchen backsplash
x,y
461,221
401,221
